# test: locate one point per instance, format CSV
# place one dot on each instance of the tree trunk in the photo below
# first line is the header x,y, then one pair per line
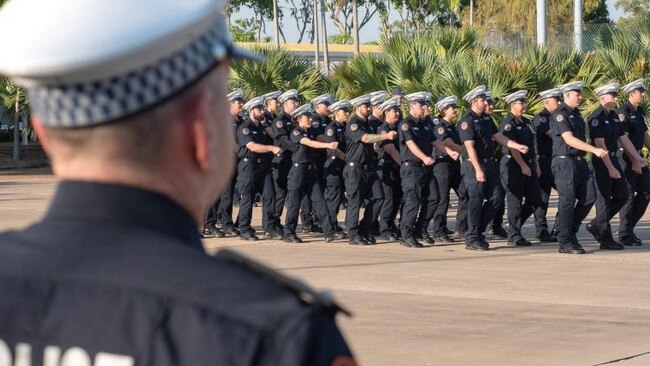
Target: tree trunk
x,y
16,155
276,23
355,26
316,36
325,40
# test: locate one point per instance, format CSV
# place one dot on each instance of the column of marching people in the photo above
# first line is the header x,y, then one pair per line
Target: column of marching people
x,y
392,161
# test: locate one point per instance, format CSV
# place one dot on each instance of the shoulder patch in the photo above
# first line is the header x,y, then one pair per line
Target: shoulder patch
x,y
275,278
507,126
559,118
621,116
405,126
463,126
245,131
296,132
279,124
594,122
330,132
354,127
441,130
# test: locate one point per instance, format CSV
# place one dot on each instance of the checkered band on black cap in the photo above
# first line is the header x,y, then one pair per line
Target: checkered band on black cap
x,y
101,101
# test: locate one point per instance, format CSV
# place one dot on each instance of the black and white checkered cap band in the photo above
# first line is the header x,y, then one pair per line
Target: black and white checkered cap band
x,y
101,101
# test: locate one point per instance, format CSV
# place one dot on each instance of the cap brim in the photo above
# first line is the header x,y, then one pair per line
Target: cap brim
x,y
239,53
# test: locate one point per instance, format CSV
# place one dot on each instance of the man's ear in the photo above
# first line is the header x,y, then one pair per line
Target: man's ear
x,y
198,112
40,134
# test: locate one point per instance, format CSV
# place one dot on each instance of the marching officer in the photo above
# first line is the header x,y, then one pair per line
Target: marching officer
x,y
360,175
271,105
254,172
478,168
573,178
375,120
221,210
304,178
606,132
446,170
637,175
281,164
389,167
416,148
135,121
499,191
551,100
519,172
333,168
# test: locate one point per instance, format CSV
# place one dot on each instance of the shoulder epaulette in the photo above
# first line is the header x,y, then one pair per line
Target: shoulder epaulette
x,y
319,299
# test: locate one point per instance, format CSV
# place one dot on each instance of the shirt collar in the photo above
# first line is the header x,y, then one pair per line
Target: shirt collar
x,y
113,203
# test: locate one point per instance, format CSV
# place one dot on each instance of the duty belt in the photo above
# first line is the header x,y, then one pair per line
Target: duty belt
x,y
443,158
386,162
482,160
413,163
529,161
252,160
358,165
309,166
572,157
544,156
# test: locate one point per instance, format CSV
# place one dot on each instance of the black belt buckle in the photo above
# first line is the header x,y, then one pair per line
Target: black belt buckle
x,y
253,160
358,165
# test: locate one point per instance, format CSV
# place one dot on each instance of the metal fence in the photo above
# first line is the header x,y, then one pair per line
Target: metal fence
x,y
557,38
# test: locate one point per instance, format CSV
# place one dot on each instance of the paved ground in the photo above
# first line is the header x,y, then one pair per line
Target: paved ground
x,y
444,305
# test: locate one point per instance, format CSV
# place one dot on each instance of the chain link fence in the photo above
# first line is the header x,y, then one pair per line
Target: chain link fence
x,y
557,38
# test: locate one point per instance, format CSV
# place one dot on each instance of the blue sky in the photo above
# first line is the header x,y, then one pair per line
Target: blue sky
x,y
369,32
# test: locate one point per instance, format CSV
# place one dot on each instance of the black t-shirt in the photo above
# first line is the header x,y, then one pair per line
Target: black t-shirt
x,y
634,123
521,131
479,129
127,281
605,125
357,151
542,124
565,119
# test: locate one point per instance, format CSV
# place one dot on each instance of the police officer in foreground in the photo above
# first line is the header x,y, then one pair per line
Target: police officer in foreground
x,y
360,175
333,168
607,132
551,101
478,168
446,170
134,122
573,178
637,175
389,166
519,172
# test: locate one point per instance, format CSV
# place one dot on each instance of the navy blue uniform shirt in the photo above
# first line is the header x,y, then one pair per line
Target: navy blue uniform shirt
x,y
303,154
119,275
412,129
282,126
250,132
521,131
479,129
634,123
605,125
542,124
565,119
357,151
335,132
381,150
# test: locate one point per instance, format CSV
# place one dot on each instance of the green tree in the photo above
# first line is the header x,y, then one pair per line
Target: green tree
x,y
633,8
